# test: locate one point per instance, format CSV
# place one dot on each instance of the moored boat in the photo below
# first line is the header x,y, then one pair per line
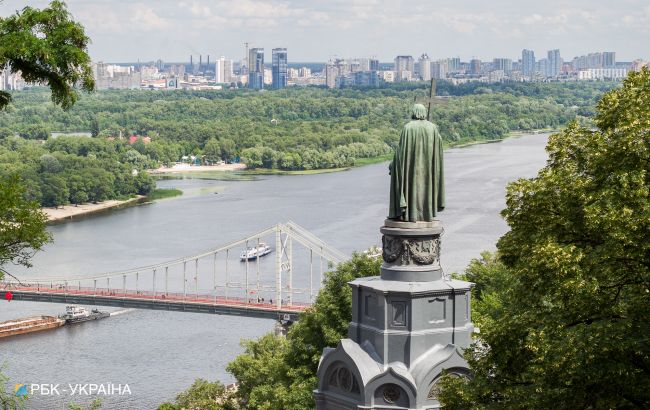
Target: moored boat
x,y
257,251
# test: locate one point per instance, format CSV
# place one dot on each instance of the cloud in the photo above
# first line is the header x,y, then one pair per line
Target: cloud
x,y
146,19
317,28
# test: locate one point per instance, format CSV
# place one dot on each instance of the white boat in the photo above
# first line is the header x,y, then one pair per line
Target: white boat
x,y
252,253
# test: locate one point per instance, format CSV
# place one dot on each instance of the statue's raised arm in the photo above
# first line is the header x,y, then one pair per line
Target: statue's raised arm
x,y
417,187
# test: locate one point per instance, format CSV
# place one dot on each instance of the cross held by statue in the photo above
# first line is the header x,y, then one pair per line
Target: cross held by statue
x,y
431,100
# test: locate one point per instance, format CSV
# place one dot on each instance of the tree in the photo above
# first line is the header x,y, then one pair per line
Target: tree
x,y
9,401
564,318
55,191
77,187
212,150
22,225
49,164
228,149
5,133
35,132
48,47
99,184
278,373
94,405
202,395
94,127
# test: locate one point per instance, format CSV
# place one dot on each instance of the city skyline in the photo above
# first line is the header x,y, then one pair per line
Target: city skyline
x,y
324,29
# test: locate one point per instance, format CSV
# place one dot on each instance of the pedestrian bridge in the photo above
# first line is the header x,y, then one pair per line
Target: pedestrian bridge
x,y
278,286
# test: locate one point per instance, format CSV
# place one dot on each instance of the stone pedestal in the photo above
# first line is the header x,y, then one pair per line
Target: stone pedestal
x,y
407,326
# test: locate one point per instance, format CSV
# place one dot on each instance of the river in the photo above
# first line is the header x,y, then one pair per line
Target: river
x,y
158,354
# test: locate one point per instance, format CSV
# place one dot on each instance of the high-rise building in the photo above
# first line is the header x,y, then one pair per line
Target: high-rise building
x,y
424,67
364,64
331,72
609,59
256,68
475,66
504,64
404,67
541,66
373,64
528,63
554,66
453,65
366,79
439,69
594,60
279,67
223,70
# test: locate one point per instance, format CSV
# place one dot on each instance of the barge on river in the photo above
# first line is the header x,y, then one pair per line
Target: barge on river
x,y
29,324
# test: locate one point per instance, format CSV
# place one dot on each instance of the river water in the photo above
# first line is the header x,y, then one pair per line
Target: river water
x,y
159,354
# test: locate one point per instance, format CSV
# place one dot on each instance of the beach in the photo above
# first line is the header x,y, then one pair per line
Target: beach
x,y
70,211
183,168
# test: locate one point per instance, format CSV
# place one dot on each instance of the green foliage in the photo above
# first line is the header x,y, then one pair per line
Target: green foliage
x,y
212,150
202,395
279,373
35,132
564,311
94,405
22,225
164,193
76,169
48,47
8,400
317,128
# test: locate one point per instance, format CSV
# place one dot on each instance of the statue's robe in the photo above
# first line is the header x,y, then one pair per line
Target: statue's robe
x,y
417,188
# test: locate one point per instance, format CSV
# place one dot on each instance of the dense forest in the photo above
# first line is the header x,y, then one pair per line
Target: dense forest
x,y
290,129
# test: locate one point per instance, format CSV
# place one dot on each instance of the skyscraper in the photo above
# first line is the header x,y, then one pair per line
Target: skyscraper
x,y
554,63
504,64
453,64
475,66
223,70
331,72
256,68
279,67
404,66
528,63
373,64
424,67
439,69
609,59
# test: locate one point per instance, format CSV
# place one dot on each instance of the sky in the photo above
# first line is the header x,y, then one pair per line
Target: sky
x,y
317,30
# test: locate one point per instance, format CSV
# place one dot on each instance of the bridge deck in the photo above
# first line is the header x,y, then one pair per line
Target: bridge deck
x,y
171,301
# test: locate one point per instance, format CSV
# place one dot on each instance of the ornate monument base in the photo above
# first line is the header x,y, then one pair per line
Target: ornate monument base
x,y
408,325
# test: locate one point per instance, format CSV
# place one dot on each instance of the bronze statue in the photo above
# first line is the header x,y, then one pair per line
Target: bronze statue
x,y
417,187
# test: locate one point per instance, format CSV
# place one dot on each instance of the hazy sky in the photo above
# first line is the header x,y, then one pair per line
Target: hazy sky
x,y
316,30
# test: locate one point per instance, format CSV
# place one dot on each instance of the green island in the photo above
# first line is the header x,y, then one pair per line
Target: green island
x,y
161,193
290,131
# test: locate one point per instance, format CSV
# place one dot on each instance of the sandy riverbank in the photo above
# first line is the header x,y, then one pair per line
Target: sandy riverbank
x,y
71,211
178,169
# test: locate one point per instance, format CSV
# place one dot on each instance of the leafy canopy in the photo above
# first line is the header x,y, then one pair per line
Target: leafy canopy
x,y
563,310
279,373
48,47
22,225
202,395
